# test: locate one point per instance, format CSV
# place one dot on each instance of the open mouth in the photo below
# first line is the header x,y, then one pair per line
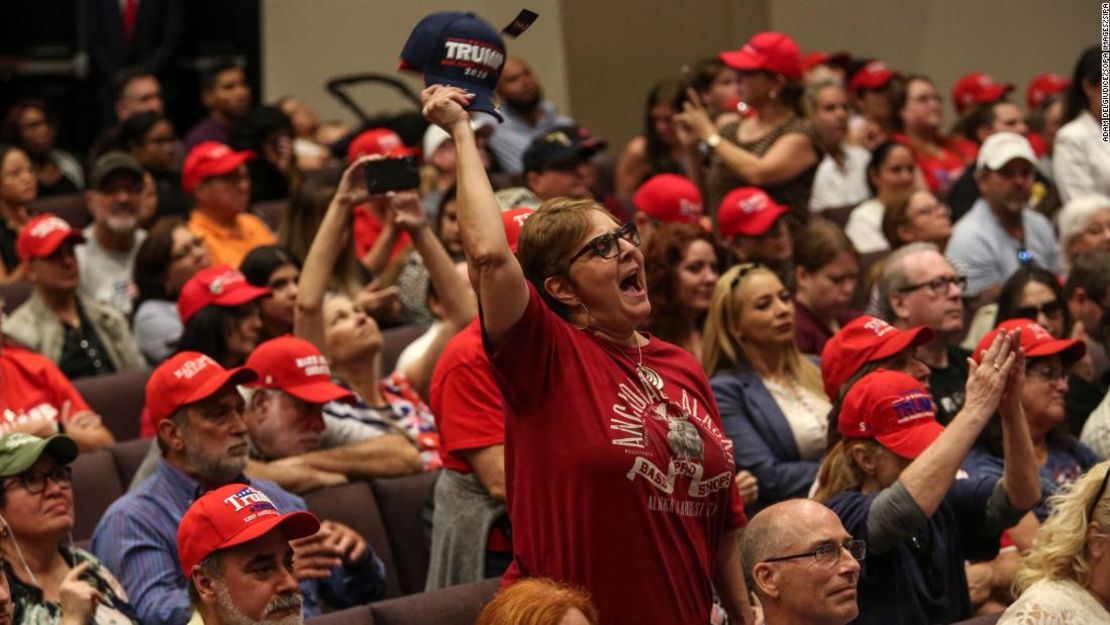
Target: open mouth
x,y
630,284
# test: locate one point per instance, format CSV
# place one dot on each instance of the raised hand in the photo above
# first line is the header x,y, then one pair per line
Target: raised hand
x,y
443,105
1010,405
987,380
695,118
407,211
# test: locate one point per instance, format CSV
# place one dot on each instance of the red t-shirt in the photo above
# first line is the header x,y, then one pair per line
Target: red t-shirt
x,y
465,400
943,170
368,227
617,488
33,389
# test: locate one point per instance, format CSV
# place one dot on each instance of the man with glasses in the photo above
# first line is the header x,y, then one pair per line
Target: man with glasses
x,y
803,564
82,336
919,286
557,163
217,178
1001,233
107,259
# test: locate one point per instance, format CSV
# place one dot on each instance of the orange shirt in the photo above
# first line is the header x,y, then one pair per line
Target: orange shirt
x,y
230,246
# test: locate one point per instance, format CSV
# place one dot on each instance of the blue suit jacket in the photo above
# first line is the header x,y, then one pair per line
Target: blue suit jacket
x,y
763,442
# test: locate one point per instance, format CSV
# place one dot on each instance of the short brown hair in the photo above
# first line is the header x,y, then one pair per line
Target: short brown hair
x,y
536,602
818,244
548,240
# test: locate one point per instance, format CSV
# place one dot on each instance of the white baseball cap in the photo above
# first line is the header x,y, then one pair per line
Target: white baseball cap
x,y
434,136
1003,147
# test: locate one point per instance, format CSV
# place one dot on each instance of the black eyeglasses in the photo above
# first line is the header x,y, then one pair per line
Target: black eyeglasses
x,y
938,286
34,481
608,245
1098,496
828,554
1048,309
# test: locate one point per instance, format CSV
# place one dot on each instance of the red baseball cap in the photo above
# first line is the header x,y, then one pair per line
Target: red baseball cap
x,y
749,212
769,51
1035,340
874,75
670,198
862,340
893,409
1043,86
978,88
210,158
513,220
186,378
295,366
233,515
216,286
43,235
378,141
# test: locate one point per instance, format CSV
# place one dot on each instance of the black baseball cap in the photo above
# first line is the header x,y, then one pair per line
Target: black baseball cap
x,y
561,146
459,50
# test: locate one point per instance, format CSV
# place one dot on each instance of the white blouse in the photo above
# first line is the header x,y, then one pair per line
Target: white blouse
x,y
1055,602
1080,159
806,413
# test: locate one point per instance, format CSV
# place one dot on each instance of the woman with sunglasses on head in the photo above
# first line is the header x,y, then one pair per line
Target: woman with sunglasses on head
x,y
608,431
1035,294
53,582
1065,577
770,397
891,480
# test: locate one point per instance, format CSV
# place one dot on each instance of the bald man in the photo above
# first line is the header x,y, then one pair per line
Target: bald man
x,y
803,564
526,114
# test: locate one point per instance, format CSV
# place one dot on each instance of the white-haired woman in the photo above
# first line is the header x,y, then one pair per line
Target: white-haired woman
x,y
1065,577
1084,226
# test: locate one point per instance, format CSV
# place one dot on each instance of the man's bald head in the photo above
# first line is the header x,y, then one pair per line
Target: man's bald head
x,y
799,587
778,529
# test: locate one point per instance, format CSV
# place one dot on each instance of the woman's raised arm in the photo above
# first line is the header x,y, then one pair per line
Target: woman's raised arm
x,y
497,276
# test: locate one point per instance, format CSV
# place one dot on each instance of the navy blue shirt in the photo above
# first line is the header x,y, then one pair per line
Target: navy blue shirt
x,y
1067,462
921,581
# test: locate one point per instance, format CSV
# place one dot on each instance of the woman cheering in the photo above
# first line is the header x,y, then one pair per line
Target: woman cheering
x,y
620,479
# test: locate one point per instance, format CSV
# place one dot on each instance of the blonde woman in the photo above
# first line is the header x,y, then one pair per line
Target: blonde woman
x,y
1065,577
771,399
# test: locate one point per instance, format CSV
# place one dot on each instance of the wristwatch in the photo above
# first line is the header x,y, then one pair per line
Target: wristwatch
x,y
713,141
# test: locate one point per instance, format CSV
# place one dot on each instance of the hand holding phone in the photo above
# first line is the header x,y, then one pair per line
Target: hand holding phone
x,y
391,174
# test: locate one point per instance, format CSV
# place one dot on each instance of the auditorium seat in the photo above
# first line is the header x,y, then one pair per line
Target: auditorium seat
x,y
270,212
358,615
402,501
394,341
354,506
455,605
128,455
70,207
15,294
95,486
118,398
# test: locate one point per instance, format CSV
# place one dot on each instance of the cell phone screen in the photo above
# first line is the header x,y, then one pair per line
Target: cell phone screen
x,y
392,174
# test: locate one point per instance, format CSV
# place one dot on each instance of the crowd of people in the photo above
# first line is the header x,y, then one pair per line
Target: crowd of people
x,y
802,353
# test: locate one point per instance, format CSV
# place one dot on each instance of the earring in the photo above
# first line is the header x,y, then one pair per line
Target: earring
x,y
587,325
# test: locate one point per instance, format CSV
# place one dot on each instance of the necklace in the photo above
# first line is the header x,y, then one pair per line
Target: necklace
x,y
649,378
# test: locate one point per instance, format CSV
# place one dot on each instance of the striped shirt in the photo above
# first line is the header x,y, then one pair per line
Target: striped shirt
x,y
137,540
